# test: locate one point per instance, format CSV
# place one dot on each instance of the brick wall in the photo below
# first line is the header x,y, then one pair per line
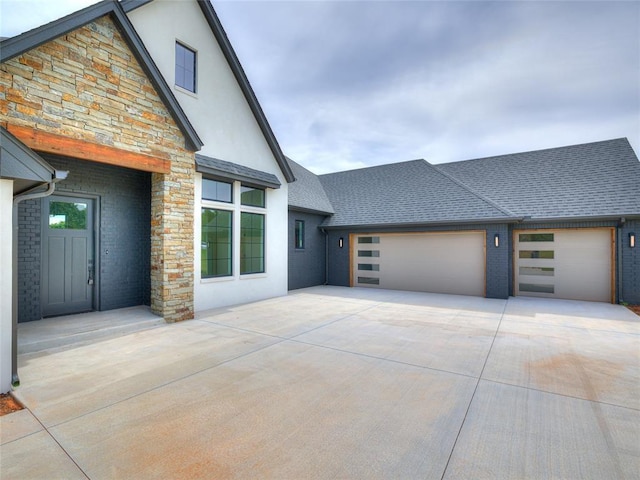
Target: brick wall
x,y
124,209
307,267
630,268
87,85
29,252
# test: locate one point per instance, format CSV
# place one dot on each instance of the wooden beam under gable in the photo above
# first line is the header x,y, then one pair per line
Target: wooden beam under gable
x,y
71,147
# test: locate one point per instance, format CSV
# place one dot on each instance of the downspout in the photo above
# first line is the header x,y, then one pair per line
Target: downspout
x,y
326,256
21,197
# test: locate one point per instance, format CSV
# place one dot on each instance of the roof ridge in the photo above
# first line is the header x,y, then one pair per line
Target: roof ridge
x,y
373,166
527,152
473,192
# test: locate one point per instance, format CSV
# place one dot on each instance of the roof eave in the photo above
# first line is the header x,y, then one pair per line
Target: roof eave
x,y
296,208
474,221
582,218
245,86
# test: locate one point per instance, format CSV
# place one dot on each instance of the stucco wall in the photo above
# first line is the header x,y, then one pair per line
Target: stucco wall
x,y
224,121
307,267
6,282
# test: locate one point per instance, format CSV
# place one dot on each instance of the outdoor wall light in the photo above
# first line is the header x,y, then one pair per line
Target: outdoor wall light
x,y
632,240
496,240
340,242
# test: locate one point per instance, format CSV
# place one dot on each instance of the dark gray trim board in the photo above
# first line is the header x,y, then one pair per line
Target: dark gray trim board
x,y
23,165
24,42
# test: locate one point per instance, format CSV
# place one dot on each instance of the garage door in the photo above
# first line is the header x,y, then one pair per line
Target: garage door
x,y
436,262
572,264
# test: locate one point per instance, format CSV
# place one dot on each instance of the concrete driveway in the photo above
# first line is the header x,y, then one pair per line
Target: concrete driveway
x,y
335,382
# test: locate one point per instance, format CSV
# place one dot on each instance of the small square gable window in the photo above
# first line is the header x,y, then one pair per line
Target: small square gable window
x,y
185,68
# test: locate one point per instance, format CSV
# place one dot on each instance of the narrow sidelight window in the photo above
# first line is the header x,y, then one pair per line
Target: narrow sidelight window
x,y
185,68
299,236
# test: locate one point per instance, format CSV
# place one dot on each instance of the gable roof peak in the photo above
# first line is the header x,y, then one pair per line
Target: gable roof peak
x,y
16,46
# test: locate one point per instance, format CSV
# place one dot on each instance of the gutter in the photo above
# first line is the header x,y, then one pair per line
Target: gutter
x,y
595,218
475,221
31,194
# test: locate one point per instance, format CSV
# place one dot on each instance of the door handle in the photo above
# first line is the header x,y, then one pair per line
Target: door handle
x,y
90,272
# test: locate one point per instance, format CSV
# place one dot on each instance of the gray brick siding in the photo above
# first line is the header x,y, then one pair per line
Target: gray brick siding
x,y
307,267
123,247
629,288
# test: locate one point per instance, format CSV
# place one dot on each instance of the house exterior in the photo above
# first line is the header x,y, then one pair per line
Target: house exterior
x,y
176,193
239,150
556,223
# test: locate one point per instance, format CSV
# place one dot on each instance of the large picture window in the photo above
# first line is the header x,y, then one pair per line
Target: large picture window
x,y
216,243
251,243
185,68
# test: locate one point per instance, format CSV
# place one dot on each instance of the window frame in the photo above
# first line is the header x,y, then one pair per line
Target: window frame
x,y
249,188
183,68
230,242
299,235
243,246
217,181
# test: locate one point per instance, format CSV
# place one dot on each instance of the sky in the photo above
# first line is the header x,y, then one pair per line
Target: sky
x,y
351,84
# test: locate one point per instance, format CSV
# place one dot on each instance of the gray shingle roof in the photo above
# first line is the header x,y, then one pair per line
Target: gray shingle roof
x,y
587,180
307,193
407,193
233,171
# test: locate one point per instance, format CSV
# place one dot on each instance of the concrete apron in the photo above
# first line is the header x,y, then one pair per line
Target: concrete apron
x,y
339,382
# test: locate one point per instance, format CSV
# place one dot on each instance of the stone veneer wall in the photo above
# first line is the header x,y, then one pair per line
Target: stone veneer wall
x,y
88,85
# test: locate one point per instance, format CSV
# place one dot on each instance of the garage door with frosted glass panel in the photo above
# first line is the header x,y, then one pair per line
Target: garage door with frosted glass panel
x,y
571,264
450,262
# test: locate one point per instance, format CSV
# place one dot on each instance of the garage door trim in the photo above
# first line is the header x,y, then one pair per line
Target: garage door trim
x,y
612,252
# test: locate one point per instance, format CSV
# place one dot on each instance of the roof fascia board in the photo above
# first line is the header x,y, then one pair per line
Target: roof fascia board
x,y
15,46
323,213
34,38
471,222
129,5
31,162
245,86
595,218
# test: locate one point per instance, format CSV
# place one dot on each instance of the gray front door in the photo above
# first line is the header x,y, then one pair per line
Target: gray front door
x,y
67,255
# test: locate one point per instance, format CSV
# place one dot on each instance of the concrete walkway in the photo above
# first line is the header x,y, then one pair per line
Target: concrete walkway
x,y
335,382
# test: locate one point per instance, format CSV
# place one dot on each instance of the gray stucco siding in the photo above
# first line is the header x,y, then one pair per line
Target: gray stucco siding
x,y
123,203
307,266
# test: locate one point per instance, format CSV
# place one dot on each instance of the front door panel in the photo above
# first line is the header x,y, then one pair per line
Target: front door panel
x,y
67,255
